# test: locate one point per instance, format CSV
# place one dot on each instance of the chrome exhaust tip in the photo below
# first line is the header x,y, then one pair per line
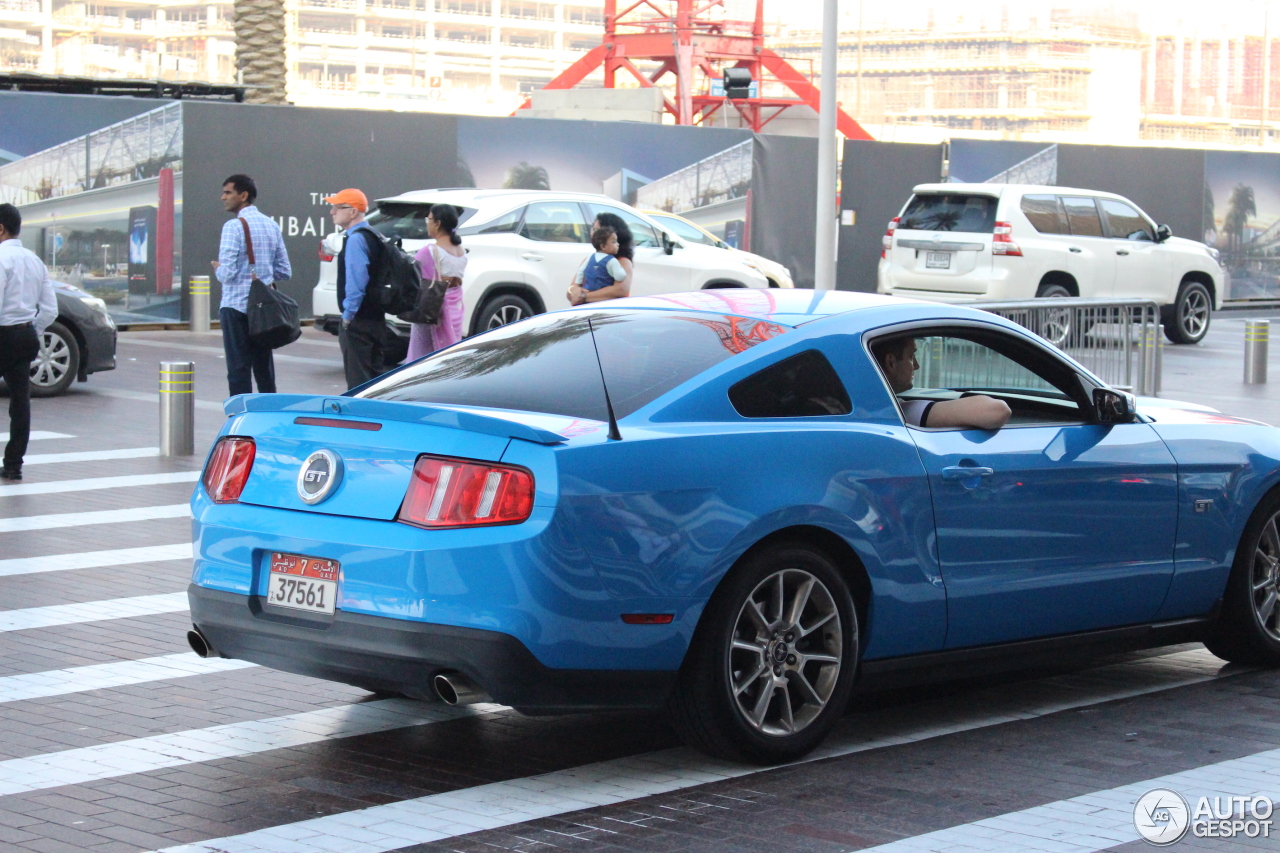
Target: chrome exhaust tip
x,y
200,645
454,688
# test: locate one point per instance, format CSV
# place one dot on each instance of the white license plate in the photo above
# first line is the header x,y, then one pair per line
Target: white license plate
x,y
937,260
303,583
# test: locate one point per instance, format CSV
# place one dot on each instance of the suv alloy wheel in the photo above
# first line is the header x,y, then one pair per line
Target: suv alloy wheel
x,y
1187,320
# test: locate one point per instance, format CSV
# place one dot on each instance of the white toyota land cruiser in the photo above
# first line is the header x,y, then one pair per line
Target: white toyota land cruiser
x,y
998,242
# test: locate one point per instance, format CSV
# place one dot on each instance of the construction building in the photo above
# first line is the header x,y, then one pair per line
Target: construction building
x,y
1058,76
464,56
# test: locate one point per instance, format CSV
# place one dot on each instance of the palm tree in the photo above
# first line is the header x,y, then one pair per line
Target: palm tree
x,y
260,36
1240,207
523,176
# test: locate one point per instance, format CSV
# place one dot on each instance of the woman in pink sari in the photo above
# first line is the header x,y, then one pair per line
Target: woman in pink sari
x,y
443,259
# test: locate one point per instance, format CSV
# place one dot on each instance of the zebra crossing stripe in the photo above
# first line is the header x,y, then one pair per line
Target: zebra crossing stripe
x,y
95,559
141,755
105,516
91,611
91,455
59,682
94,483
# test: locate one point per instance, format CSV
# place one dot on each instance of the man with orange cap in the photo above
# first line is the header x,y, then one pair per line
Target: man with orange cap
x,y
364,337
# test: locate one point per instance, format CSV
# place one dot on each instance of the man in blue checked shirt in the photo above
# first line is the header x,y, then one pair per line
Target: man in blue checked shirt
x,y
232,269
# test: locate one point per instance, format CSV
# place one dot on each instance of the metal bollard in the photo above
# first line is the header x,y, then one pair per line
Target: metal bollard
x,y
177,408
1256,333
199,288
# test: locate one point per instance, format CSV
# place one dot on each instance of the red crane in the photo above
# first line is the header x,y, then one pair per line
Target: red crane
x,y
687,43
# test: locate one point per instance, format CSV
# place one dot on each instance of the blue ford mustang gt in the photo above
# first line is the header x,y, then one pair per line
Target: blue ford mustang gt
x,y
711,502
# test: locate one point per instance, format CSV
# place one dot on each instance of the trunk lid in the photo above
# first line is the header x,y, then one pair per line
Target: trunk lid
x,y
375,443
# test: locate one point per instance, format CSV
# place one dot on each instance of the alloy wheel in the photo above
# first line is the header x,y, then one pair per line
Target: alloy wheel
x,y
1264,580
505,315
787,649
52,362
1193,313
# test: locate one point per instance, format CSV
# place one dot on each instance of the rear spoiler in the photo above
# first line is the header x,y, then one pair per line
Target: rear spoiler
x,y
414,413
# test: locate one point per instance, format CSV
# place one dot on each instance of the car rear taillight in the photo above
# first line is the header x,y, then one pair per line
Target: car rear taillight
x,y
1002,242
447,492
325,257
886,242
228,469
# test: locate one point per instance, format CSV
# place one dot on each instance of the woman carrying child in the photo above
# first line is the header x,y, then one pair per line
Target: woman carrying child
x,y
442,259
618,288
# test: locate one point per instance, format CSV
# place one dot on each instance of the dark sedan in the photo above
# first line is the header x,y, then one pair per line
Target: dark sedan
x,y
81,341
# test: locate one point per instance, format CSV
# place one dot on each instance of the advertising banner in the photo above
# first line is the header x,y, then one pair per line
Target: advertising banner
x,y
142,251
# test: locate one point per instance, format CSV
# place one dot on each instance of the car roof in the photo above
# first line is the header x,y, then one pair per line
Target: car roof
x,y
786,307
1000,189
472,197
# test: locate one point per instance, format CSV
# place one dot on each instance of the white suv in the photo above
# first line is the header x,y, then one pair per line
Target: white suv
x,y
524,247
967,242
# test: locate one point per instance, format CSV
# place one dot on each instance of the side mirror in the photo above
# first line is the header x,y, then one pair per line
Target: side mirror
x,y
1113,407
1163,232
668,245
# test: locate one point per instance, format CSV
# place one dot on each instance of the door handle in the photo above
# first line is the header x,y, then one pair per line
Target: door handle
x,y
1074,249
1122,251
965,472
532,256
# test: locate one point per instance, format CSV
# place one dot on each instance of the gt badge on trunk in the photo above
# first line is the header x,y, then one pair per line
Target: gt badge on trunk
x,y
319,476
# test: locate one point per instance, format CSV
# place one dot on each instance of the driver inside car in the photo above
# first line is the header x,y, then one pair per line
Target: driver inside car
x,y
897,359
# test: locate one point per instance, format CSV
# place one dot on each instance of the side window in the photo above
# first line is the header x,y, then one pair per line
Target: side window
x,y
642,231
951,366
1045,214
1082,214
503,224
1125,223
555,222
802,386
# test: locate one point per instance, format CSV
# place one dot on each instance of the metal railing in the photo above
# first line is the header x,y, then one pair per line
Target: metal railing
x,y
1119,340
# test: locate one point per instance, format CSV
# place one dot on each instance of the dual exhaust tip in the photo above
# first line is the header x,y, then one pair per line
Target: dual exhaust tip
x,y
453,688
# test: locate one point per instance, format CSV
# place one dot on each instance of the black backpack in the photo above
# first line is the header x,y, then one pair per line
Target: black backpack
x,y
394,278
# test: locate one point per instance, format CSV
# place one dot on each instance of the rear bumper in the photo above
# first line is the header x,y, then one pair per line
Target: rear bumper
x,y
381,653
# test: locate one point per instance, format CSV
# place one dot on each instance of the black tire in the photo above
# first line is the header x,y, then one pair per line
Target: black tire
x,y
1055,327
501,310
58,362
714,685
1248,627
1187,320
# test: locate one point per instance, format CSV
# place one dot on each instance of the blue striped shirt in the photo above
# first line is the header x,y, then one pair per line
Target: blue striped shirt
x,y
233,259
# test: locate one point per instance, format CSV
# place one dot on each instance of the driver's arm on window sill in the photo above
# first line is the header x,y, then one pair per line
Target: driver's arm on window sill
x,y
976,412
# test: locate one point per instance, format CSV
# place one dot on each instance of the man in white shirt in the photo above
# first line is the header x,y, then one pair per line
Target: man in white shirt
x,y
27,307
897,359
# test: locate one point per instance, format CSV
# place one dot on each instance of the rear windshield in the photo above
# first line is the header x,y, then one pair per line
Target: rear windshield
x,y
974,214
548,363
408,221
